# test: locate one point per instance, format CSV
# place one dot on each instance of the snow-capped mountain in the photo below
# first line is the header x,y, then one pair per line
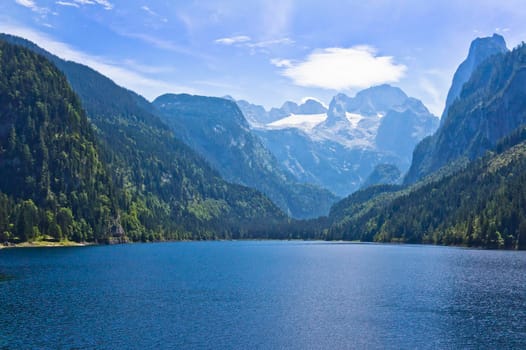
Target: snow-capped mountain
x,y
339,147
258,117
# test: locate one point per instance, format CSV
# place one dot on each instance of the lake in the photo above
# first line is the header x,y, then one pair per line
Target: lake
x,y
261,295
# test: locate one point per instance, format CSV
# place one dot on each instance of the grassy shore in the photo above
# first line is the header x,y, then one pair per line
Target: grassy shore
x,y
45,244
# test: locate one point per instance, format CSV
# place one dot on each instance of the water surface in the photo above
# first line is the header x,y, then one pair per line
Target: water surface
x,y
265,295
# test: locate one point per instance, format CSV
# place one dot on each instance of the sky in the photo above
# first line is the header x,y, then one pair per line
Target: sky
x,y
267,51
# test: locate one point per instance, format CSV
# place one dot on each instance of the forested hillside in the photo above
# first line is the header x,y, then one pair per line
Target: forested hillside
x,y
164,190
482,206
52,180
460,199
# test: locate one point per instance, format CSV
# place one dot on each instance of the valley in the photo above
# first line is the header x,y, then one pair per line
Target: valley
x,y
195,167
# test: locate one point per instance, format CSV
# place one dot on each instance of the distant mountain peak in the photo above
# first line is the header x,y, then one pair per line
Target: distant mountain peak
x,y
479,50
479,46
311,106
337,111
377,99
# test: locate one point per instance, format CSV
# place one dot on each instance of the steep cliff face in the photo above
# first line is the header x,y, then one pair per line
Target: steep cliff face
x,y
480,49
491,105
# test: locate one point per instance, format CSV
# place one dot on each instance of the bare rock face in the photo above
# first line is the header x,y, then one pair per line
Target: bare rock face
x,y
480,49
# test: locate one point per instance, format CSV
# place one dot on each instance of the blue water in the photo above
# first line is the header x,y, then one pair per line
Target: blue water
x,y
262,295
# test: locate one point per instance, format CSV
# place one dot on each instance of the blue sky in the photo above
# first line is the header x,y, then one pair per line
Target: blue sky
x,y
267,51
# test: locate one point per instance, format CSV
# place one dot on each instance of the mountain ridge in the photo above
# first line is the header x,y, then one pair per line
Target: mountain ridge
x,y
379,125
217,130
168,191
489,108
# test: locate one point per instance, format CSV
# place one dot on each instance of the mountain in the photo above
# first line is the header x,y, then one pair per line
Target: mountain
x,y
257,115
167,191
480,50
217,130
480,205
401,129
340,148
324,163
466,183
383,174
52,180
491,105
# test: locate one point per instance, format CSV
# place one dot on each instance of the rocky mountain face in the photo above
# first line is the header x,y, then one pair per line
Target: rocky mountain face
x,y
257,116
383,174
340,148
480,49
491,105
218,131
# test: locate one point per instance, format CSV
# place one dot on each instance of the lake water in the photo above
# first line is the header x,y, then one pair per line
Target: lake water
x,y
262,295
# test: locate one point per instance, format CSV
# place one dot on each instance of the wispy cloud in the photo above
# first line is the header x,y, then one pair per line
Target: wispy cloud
x,y
281,63
106,4
148,68
276,17
233,40
267,43
33,6
154,14
148,10
246,41
343,68
161,43
27,3
124,76
66,3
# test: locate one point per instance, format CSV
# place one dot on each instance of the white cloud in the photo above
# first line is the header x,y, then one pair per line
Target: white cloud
x,y
344,68
30,4
124,76
27,3
148,10
233,40
281,63
267,43
66,3
104,3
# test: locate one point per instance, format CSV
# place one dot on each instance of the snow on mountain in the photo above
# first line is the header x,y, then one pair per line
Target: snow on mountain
x,y
305,122
339,146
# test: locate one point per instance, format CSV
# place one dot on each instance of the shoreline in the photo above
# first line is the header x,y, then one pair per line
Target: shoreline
x,y
46,244
64,244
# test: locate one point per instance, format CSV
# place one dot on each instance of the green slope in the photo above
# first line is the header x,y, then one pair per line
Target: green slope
x,y
482,205
52,180
165,190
